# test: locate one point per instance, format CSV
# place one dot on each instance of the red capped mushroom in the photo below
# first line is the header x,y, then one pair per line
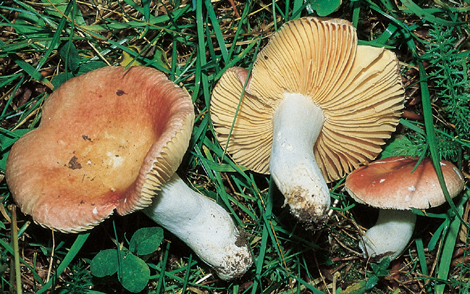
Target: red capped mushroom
x,y
110,140
391,185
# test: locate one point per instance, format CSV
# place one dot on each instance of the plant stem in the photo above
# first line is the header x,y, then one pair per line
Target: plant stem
x,y
16,250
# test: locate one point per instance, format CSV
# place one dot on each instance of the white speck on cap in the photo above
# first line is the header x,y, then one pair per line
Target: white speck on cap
x,y
456,170
412,188
382,180
95,211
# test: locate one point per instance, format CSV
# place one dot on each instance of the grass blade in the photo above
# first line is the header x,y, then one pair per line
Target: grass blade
x,y
74,249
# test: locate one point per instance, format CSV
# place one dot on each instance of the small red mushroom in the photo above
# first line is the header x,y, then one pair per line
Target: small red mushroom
x,y
391,185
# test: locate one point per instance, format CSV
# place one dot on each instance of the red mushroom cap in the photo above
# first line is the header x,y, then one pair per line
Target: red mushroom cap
x,y
390,183
107,140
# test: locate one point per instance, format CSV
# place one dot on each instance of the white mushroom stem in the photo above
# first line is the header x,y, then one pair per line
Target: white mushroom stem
x,y
297,122
204,226
390,235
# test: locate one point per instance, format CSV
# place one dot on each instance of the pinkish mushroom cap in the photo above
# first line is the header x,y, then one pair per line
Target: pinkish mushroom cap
x,y
107,140
390,183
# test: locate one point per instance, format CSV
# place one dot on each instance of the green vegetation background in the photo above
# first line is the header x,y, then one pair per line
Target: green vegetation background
x,y
44,43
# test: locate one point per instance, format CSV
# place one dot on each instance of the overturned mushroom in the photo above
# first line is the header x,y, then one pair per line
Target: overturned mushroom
x,y
391,185
110,140
315,106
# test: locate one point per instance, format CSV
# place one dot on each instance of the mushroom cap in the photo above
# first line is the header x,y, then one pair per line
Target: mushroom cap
x,y
391,183
107,140
358,88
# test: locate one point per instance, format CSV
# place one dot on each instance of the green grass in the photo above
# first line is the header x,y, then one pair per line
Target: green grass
x,y
44,43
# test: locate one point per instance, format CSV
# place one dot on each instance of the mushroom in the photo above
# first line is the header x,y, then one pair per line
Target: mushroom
x,y
110,140
396,185
315,106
